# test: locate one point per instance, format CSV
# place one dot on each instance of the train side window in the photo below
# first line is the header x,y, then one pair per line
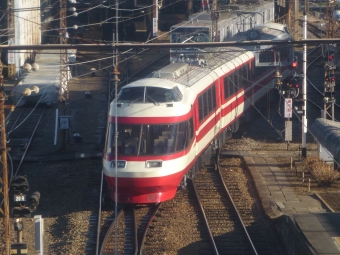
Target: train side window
x,y
237,80
206,103
226,87
191,128
201,107
231,84
182,136
209,100
213,91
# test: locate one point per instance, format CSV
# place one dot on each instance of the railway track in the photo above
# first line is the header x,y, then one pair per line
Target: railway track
x,y
244,197
226,227
126,233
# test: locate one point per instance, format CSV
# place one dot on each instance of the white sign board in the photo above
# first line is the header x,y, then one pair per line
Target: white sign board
x,y
10,54
11,57
155,26
288,107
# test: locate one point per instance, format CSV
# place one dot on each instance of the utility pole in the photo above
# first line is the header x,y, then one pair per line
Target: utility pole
x,y
214,24
154,18
304,89
116,73
293,18
63,34
11,39
4,189
330,19
296,19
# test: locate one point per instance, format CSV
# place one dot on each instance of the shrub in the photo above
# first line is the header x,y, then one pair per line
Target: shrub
x,y
323,172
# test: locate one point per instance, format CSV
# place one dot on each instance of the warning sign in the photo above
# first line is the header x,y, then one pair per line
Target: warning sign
x,y
288,107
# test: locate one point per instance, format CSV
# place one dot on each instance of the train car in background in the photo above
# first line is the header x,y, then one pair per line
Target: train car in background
x,y
166,122
233,19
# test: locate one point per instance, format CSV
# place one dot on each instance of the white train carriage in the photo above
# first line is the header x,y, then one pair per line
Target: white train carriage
x,y
167,121
237,18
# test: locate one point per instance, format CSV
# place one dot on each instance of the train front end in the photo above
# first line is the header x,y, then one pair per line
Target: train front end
x,y
146,161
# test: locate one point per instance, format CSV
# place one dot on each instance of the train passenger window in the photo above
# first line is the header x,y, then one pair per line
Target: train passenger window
x,y
213,91
226,87
162,95
191,129
131,95
127,140
200,107
231,83
243,77
207,102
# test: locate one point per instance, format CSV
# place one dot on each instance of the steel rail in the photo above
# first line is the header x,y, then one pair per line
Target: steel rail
x,y
141,244
211,236
236,210
111,229
135,229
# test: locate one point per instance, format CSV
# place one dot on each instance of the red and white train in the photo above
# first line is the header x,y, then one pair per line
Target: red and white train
x,y
166,122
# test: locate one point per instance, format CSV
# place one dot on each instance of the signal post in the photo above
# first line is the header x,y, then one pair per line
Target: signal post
x,y
329,85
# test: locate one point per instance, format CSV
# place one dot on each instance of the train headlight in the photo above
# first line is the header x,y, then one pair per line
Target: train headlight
x,y
120,163
153,163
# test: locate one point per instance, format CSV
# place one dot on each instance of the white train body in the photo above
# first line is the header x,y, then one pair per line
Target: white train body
x,y
167,121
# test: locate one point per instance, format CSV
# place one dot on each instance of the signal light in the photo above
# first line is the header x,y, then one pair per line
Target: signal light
x,y
329,79
21,212
295,62
330,57
34,201
19,183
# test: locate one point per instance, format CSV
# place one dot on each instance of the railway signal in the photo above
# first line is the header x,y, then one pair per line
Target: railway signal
x,y
298,105
21,212
20,184
33,201
330,56
329,85
295,62
291,87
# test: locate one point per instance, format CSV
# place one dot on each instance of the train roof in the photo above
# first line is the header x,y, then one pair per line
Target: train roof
x,y
167,84
203,19
201,62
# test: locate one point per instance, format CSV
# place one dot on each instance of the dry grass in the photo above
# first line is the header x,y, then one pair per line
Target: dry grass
x,y
323,172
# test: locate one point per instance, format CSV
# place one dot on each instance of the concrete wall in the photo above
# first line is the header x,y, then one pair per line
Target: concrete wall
x,y
292,237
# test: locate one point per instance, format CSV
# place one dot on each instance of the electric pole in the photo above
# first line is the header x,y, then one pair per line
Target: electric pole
x,y
214,22
304,89
330,19
11,39
293,18
63,34
4,189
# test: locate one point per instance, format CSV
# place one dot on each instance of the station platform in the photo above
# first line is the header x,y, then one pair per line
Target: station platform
x,y
302,220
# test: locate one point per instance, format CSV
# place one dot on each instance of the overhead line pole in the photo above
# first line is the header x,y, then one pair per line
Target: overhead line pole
x,y
304,88
4,190
63,52
116,72
214,23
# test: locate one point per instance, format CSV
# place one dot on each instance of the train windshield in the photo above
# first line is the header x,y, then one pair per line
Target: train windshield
x,y
139,140
189,35
149,95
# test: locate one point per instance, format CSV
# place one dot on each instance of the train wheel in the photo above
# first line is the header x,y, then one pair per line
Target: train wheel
x,y
183,183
